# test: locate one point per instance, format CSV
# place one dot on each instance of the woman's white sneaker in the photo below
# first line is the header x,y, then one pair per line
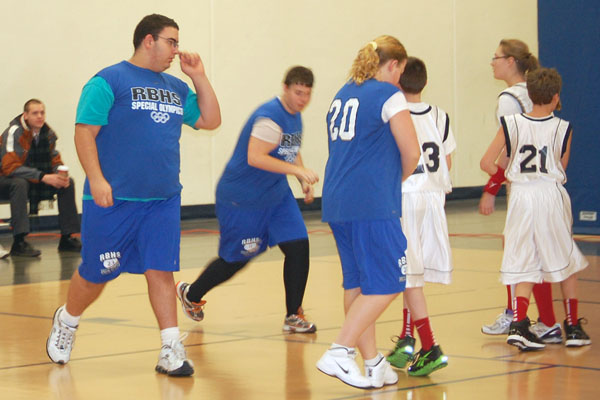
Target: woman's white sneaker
x,y
339,362
501,325
381,374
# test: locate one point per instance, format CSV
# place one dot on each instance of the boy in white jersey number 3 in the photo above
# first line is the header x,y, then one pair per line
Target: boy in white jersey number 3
x,y
428,254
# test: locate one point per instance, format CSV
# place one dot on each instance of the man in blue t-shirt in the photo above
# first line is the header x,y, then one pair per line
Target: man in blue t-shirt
x,y
127,132
255,206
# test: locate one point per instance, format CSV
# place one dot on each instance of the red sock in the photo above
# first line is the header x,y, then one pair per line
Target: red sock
x,y
510,299
571,310
425,333
542,292
409,326
520,308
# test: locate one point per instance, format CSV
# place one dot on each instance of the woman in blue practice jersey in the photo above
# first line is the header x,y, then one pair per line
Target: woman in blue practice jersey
x,y
372,148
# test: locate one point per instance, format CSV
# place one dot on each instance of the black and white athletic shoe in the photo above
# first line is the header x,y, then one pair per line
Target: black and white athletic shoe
x,y
520,336
576,336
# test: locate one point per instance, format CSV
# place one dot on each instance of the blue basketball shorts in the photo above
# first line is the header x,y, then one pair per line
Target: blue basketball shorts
x,y
130,236
372,254
246,232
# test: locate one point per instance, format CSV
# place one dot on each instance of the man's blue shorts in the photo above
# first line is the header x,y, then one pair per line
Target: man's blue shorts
x,y
373,256
246,232
130,236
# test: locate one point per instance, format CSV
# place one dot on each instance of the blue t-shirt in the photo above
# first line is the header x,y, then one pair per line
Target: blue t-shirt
x,y
140,113
248,186
363,174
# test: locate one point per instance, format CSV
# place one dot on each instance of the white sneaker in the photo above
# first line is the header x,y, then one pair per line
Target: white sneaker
x,y
3,252
381,374
547,334
501,326
61,339
339,362
173,361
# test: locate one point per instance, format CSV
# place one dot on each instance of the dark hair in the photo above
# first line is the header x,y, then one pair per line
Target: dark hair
x,y
543,84
517,49
299,75
151,24
30,102
373,55
414,77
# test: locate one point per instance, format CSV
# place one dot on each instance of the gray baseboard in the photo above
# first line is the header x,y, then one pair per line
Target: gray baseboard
x,y
50,222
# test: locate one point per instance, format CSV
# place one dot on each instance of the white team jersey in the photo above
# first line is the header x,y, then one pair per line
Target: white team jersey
x,y
535,147
513,100
436,141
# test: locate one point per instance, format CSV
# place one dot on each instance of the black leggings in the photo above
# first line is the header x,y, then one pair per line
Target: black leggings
x,y
217,272
295,275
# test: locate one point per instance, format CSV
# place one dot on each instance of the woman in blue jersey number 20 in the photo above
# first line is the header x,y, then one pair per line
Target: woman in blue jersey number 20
x,y
372,148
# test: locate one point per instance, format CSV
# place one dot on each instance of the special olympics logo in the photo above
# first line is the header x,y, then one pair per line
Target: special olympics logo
x,y
160,117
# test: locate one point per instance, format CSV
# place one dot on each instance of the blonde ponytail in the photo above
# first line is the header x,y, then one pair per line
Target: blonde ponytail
x,y
373,55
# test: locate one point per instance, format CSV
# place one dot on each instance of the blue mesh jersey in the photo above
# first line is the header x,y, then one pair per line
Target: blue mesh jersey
x,y
244,185
140,113
363,175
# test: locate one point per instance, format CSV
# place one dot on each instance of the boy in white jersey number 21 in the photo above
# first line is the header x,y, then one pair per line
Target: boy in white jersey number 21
x,y
539,245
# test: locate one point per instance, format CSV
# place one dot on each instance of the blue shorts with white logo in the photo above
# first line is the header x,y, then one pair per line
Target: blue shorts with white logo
x,y
373,256
130,236
246,232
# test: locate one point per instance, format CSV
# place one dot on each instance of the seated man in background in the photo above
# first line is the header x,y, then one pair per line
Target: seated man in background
x,y
30,170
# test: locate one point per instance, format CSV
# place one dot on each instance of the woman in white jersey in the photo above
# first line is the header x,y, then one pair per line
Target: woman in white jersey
x,y
511,63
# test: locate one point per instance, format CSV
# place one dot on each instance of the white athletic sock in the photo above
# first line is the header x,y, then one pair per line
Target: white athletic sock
x,y
69,319
374,361
337,346
169,335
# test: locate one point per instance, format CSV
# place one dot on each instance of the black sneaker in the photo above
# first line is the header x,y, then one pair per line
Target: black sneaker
x,y
427,361
403,353
519,335
24,249
576,337
69,244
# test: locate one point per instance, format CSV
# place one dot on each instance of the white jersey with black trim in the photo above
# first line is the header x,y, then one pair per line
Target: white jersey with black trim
x,y
436,141
535,147
514,100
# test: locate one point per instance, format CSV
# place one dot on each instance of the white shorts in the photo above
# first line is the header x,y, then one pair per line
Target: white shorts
x,y
538,242
424,224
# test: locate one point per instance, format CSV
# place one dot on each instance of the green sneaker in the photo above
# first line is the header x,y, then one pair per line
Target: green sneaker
x,y
428,361
403,353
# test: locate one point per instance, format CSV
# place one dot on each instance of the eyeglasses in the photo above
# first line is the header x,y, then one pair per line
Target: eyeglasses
x,y
174,43
497,57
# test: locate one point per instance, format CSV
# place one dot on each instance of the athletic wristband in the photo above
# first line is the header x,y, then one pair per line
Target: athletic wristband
x,y
495,183
41,176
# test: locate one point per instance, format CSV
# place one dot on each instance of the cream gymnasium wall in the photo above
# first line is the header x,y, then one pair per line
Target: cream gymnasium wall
x,y
51,48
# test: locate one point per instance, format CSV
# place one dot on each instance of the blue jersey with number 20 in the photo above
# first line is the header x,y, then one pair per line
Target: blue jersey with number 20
x,y
363,175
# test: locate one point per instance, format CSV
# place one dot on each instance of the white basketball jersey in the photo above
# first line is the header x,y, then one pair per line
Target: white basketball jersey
x,y
535,147
514,100
436,141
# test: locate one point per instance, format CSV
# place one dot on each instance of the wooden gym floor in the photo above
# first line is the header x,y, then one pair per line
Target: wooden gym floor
x,y
239,349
